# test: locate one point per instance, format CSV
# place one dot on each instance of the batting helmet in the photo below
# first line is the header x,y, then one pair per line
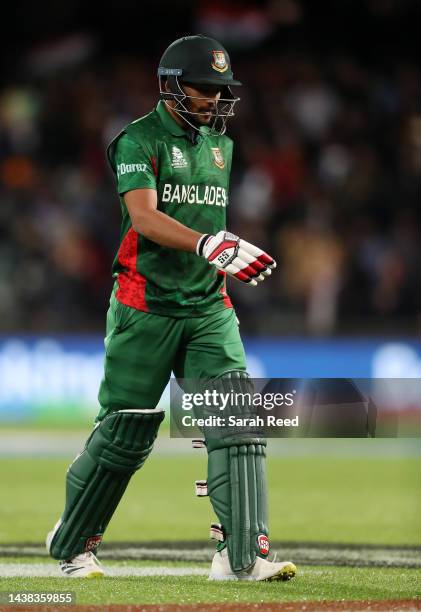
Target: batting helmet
x,y
197,60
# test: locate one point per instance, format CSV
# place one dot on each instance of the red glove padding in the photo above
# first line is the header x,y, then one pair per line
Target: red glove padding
x,y
236,257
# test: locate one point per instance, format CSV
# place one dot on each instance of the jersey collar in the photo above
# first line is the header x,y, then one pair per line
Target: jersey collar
x,y
171,124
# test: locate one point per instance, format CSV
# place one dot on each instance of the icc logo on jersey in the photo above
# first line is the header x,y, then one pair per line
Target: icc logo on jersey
x,y
178,159
219,61
217,157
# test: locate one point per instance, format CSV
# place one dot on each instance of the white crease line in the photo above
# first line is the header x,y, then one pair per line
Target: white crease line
x,y
48,570
44,570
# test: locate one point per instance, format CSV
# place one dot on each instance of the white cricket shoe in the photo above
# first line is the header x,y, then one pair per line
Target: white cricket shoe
x,y
261,570
85,565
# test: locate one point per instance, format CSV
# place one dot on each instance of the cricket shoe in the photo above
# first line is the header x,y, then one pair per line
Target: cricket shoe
x,y
260,570
85,565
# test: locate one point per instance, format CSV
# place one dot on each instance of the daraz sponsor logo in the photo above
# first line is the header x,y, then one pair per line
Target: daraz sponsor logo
x,y
195,194
126,168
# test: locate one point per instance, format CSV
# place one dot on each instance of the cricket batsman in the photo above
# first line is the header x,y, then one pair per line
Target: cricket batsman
x,y
169,311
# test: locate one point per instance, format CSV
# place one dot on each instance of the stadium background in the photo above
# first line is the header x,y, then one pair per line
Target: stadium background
x,y
326,177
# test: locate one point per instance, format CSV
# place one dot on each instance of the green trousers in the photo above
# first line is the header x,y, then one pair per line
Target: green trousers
x,y
142,349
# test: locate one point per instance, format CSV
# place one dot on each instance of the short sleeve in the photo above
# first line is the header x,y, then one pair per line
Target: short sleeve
x,y
133,165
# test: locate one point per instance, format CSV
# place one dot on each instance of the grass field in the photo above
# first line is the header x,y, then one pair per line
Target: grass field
x,y
351,499
312,583
336,516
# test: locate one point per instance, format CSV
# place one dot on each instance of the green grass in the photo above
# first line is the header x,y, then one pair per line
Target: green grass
x,y
59,426
332,499
315,583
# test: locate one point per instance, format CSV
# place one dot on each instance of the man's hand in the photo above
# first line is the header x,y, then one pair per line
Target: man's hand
x,y
236,257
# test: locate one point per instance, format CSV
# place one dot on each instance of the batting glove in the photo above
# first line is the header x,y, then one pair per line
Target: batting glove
x,y
236,257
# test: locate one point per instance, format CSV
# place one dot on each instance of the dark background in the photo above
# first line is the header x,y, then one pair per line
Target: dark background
x,y
327,168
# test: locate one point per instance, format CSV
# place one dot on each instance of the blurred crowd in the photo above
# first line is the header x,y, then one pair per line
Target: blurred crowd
x,y
326,177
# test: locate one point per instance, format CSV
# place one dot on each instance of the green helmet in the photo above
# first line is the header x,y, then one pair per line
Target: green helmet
x,y
197,60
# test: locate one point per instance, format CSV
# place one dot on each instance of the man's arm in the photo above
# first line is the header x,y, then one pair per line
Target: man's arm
x,y
225,251
156,225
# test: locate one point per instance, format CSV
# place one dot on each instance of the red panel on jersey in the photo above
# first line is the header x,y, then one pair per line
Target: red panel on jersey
x,y
154,166
127,253
131,284
223,290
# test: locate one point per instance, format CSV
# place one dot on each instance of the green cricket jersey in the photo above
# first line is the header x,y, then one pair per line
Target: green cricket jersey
x,y
191,180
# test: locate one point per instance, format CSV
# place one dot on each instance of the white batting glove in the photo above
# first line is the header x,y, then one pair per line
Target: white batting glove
x,y
236,257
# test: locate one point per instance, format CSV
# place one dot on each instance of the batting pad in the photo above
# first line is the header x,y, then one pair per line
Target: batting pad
x,y
238,493
237,485
98,477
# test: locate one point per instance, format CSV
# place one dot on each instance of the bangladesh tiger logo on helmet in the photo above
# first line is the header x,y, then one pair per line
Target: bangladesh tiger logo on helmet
x,y
219,61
